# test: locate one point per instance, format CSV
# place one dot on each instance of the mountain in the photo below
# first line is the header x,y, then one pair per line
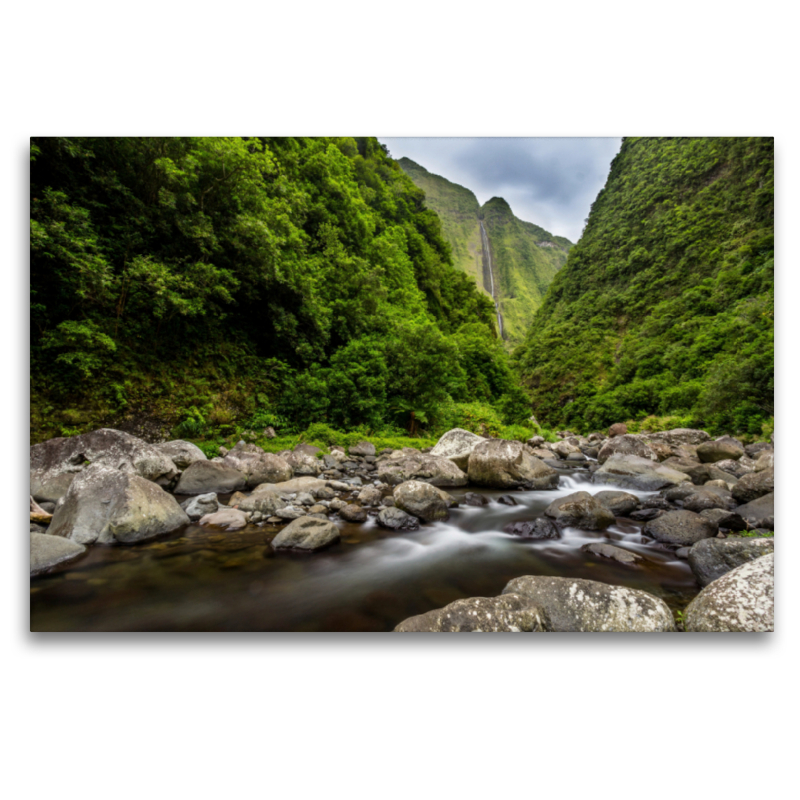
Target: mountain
x,y
665,306
524,257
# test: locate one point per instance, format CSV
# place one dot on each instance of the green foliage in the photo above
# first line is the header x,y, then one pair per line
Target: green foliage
x,y
665,307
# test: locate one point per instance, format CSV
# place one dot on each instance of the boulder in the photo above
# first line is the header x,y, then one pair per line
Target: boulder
x,y
423,500
306,533
576,604
755,485
580,510
307,450
303,464
625,446
264,499
719,450
306,483
709,497
370,496
362,449
257,466
759,513
737,468
617,429
620,504
680,527
48,551
55,463
475,499
504,614
457,444
712,558
107,506
679,436
633,472
729,520
353,513
564,449
436,470
698,473
395,519
742,600
755,449
199,506
504,464
618,554
507,500
232,519
539,528
181,453
204,477
765,460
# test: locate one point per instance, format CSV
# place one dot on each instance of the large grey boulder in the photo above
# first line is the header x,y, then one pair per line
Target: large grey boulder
x,y
575,604
759,513
181,453
504,614
680,527
505,464
633,472
107,506
303,464
719,450
765,460
620,504
742,600
199,506
204,477
580,510
353,512
709,497
55,463
232,519
457,444
266,498
436,470
729,520
712,558
306,533
257,466
626,445
755,485
362,449
47,551
395,519
423,500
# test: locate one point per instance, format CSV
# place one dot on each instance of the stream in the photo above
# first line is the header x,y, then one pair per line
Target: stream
x,y
206,579
487,267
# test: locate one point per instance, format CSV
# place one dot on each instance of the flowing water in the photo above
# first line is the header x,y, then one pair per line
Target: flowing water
x,y
487,268
202,579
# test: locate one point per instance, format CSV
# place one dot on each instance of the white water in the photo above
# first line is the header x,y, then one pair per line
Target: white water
x,y
487,255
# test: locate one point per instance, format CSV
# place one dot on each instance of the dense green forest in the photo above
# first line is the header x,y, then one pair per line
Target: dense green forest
x,y
665,305
220,283
525,257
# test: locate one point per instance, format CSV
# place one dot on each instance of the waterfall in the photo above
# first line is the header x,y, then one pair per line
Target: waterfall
x,y
487,266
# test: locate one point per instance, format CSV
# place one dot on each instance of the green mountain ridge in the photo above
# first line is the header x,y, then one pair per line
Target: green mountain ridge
x,y
525,257
665,305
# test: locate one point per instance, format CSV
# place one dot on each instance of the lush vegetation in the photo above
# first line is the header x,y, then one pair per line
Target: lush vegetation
x,y
525,257
228,284
666,305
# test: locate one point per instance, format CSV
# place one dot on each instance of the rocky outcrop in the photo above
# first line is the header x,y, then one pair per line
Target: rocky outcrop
x,y
504,464
680,528
204,477
574,604
633,472
436,470
55,463
742,600
625,446
107,506
457,444
306,533
423,500
712,558
580,510
259,467
181,453
48,551
504,614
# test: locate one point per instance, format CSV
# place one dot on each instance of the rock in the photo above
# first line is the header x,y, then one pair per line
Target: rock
x,y
564,449
679,493
506,613
742,600
680,527
181,453
232,519
646,514
535,441
679,436
423,500
507,500
318,509
304,499
753,450
757,484
625,446
729,520
712,558
580,510
709,497
257,466
353,513
307,450
765,460
699,474
719,450
48,551
759,513
204,477
618,429
302,464
370,496
504,464
633,472
457,444
436,470
107,506
269,432
396,519
200,505
36,528
362,449
613,552
290,513
474,499
264,499
306,483
539,528
744,466
306,533
620,504
661,450
575,604
55,463
38,514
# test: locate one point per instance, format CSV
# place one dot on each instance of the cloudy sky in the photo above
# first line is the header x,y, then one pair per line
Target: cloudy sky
x,y
550,182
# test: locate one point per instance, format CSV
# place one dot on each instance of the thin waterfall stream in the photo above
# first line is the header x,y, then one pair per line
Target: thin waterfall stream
x,y
487,267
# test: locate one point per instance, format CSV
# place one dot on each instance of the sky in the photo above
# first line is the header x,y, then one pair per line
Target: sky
x,y
550,182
